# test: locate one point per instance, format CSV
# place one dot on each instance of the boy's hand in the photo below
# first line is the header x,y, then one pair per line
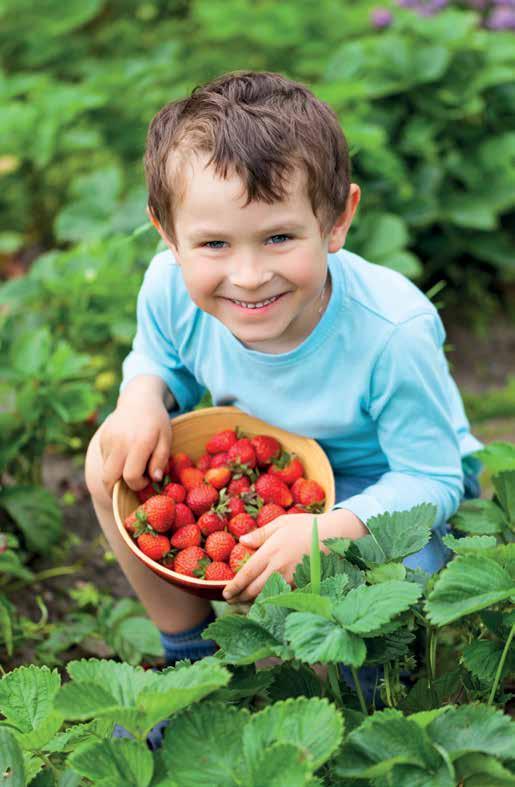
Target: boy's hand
x,y
280,546
136,438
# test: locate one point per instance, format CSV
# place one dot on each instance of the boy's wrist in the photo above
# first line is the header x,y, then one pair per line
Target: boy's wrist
x,y
341,523
146,386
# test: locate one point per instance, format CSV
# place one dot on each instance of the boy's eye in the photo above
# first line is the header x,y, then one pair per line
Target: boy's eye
x,y
287,237
209,242
217,244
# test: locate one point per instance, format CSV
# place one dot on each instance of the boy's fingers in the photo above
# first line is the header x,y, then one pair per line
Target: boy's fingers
x,y
112,471
257,537
245,575
159,459
135,466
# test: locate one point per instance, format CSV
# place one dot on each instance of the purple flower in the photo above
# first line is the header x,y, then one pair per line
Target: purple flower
x,y
501,18
381,17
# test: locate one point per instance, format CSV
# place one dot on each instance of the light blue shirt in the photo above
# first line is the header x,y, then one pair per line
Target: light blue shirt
x,y
370,383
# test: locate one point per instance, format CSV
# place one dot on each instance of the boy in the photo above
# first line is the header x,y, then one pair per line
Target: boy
x,y
255,300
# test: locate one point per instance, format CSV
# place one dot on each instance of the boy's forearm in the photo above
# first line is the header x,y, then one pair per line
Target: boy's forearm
x,y
340,523
147,385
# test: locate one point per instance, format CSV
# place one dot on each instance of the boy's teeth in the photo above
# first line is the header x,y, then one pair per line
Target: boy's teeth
x,y
255,305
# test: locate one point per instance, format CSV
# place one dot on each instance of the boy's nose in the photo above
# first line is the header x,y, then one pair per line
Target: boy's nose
x,y
249,275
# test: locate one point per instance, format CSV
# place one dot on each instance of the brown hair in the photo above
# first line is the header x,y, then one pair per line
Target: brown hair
x,y
260,125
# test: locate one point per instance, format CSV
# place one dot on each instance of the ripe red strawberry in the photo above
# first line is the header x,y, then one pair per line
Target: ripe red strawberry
x,y
218,477
297,509
176,463
210,522
201,498
221,441
159,512
308,493
176,491
266,447
242,453
190,561
219,545
239,485
154,546
273,490
239,557
268,513
191,477
218,571
131,523
288,468
183,516
148,491
220,460
204,463
187,536
235,505
241,524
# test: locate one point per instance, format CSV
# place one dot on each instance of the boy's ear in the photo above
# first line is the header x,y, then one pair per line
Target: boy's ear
x,y
160,230
338,233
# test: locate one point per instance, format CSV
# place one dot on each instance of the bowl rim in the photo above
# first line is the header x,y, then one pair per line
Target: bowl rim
x,y
164,571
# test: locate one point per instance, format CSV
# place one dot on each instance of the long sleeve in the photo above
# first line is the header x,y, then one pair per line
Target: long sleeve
x,y
408,402
153,351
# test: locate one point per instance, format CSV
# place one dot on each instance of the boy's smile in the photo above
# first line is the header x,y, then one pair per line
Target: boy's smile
x,y
261,269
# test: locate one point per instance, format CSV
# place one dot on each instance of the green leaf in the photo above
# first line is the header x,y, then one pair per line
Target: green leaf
x,y
12,770
30,351
478,517
36,511
395,536
84,700
303,602
482,658
271,618
504,484
469,543
480,770
386,572
42,733
312,725
331,565
282,765
27,696
10,563
293,680
468,584
316,639
498,456
6,622
134,637
337,545
117,763
243,640
211,734
474,728
366,609
315,570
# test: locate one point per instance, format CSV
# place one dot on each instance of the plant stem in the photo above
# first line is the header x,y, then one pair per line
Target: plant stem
x,y
359,692
334,682
433,641
500,666
387,684
315,559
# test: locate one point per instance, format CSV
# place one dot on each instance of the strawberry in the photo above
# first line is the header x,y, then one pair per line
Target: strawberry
x,y
228,505
204,463
219,545
238,485
218,477
239,557
131,522
158,512
297,509
241,524
183,516
218,571
287,467
210,522
187,536
176,463
148,491
191,477
268,513
242,454
190,561
221,441
310,494
220,460
176,491
266,449
201,498
273,490
154,546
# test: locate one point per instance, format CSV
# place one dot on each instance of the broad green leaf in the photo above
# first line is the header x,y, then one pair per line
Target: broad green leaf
x,y
482,658
84,700
474,728
245,683
10,563
271,618
293,680
468,584
504,484
43,733
498,456
124,683
468,543
27,696
31,350
366,609
303,602
116,763
480,770
316,639
337,545
385,572
395,536
283,765
274,585
211,735
313,725
6,623
243,640
330,565
478,517
12,770
134,637
36,511
388,647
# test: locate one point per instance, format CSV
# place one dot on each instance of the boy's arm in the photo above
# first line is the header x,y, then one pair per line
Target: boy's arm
x,y
153,351
409,404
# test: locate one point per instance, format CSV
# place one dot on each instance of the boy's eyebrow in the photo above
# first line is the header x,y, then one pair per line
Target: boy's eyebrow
x,y
202,232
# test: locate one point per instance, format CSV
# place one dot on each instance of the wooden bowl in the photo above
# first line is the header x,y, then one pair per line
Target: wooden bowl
x,y
191,432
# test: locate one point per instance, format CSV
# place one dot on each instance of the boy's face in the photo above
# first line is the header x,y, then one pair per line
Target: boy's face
x,y
230,253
